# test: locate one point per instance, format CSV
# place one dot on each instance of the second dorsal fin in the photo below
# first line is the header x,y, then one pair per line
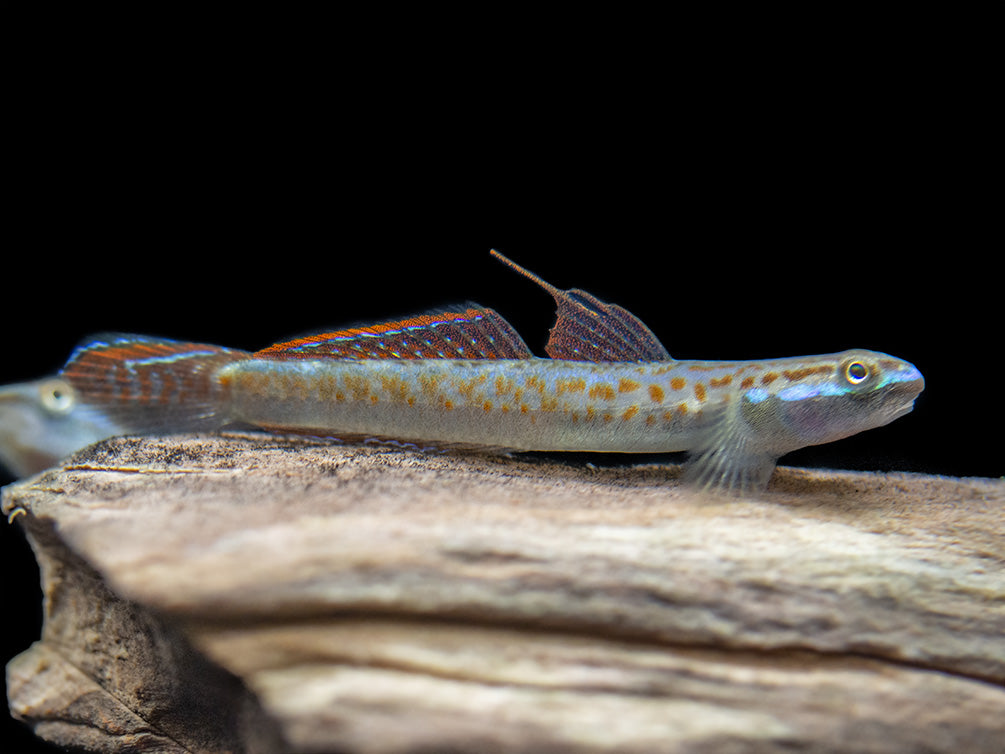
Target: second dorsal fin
x,y
475,333
587,329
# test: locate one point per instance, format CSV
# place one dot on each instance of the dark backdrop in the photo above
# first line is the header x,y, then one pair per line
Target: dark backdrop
x,y
742,218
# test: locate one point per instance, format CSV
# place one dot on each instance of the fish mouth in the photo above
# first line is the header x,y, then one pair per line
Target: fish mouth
x,y
906,408
908,389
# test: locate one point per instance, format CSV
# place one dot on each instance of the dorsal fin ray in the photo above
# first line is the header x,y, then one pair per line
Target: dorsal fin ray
x,y
474,333
588,329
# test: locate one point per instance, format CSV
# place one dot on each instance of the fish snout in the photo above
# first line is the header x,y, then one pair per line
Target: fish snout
x,y
906,384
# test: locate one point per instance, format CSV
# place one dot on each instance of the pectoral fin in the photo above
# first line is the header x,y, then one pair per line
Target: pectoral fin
x,y
726,459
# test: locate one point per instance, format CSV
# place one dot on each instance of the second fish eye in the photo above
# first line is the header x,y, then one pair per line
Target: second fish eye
x,y
57,396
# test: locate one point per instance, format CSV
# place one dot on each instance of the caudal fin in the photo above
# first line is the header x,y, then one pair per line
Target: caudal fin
x,y
150,385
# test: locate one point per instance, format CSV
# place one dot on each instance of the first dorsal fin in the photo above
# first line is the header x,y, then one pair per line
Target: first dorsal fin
x,y
587,329
475,333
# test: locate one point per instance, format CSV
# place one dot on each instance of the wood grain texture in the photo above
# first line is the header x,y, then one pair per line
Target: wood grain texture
x,y
264,594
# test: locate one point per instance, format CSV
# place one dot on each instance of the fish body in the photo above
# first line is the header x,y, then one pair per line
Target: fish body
x,y
465,378
739,416
545,404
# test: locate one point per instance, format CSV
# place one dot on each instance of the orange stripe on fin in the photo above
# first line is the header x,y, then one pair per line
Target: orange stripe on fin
x,y
475,333
149,384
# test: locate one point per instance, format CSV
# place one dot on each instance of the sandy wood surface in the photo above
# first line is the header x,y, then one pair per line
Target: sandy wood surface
x,y
241,593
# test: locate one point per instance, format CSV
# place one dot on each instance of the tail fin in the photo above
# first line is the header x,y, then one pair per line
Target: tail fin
x,y
150,385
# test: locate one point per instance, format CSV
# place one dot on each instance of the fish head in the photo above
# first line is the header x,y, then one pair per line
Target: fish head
x,y
42,422
827,398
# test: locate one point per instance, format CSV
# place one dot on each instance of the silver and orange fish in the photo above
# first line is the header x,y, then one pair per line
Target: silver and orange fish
x,y
465,378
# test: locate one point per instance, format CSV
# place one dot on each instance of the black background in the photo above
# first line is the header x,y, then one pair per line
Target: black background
x,y
741,209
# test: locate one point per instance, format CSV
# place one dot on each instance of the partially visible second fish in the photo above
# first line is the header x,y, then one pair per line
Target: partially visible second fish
x,y
42,422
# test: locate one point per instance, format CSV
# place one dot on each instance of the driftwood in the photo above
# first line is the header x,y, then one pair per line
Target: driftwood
x,y
241,593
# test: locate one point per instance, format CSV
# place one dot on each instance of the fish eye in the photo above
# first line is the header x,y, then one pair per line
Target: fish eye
x,y
56,396
856,372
